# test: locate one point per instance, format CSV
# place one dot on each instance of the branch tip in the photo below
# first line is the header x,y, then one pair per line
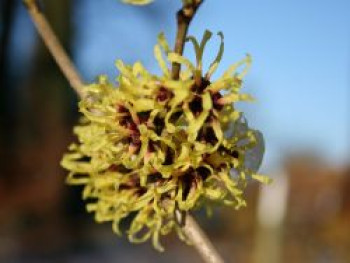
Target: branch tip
x,y
184,17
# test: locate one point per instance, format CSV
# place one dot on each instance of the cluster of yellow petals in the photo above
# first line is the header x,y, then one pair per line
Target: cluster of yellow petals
x,y
154,145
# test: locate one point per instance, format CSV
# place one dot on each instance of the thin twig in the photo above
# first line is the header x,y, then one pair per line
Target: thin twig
x,y
201,241
184,17
190,227
51,41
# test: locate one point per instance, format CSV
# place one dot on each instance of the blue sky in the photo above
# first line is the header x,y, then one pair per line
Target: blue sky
x,y
301,61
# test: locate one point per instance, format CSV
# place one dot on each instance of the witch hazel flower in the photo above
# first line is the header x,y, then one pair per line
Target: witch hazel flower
x,y
152,145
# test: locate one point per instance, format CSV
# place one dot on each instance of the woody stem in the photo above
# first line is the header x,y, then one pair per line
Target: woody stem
x,y
184,17
55,47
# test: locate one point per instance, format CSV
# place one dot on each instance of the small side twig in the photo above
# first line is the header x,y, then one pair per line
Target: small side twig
x,y
191,229
54,46
184,17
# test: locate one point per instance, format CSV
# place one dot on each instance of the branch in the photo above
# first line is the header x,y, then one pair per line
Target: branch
x,y
184,17
54,46
200,241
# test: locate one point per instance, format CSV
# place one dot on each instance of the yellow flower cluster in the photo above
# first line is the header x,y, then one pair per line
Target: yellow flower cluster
x,y
146,2
137,2
154,145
